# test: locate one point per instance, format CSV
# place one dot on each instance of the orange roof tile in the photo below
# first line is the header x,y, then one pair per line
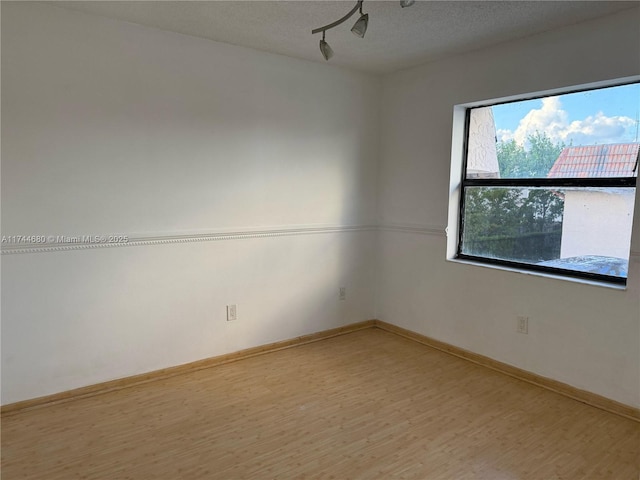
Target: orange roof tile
x,y
617,160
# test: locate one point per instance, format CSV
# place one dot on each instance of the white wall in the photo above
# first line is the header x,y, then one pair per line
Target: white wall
x,y
586,336
588,228
109,127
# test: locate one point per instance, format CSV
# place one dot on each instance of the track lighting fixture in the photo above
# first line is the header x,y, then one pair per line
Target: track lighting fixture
x,y
359,28
326,50
327,53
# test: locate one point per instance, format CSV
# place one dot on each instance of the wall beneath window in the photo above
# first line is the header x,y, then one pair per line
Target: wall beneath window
x,y
109,127
583,335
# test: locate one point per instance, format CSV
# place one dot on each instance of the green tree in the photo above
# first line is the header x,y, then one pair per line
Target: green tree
x,y
541,210
511,159
522,224
516,161
542,154
491,211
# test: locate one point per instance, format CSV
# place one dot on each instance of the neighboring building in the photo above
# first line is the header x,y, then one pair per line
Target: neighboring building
x,y
482,160
588,228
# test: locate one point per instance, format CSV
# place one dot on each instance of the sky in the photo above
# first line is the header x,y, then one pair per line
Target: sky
x,y
604,116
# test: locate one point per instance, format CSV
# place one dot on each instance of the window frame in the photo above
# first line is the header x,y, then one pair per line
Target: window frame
x,y
597,182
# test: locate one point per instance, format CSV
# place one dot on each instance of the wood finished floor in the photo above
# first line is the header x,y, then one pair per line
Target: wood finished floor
x,y
366,405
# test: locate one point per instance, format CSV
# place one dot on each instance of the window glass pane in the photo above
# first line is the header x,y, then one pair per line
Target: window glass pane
x,y
591,134
581,229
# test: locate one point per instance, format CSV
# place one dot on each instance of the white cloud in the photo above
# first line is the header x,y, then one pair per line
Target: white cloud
x,y
550,119
600,129
504,135
553,120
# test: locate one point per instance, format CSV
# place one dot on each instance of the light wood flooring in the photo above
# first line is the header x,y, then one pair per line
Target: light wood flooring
x,y
365,405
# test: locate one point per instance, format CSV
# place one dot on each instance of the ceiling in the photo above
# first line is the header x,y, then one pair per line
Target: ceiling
x,y
397,37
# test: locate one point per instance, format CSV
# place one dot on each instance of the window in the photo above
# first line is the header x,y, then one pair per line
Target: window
x,y
548,184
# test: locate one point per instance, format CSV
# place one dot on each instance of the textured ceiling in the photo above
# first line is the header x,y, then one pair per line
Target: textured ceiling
x,y
396,38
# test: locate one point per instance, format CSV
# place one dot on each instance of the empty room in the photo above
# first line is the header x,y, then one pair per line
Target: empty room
x,y
320,239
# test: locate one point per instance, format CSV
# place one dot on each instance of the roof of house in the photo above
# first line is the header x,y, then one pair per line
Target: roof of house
x,y
618,160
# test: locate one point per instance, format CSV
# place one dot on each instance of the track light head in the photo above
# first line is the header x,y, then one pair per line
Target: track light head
x,y
407,3
326,50
360,27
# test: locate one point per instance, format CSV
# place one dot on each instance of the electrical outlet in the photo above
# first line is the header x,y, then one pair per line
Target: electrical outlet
x,y
343,293
232,313
523,324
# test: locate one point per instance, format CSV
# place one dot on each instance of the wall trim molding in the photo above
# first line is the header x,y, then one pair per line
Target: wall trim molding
x,y
583,396
419,229
163,239
126,382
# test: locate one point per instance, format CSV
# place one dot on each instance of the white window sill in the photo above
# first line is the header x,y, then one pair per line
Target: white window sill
x,y
583,281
